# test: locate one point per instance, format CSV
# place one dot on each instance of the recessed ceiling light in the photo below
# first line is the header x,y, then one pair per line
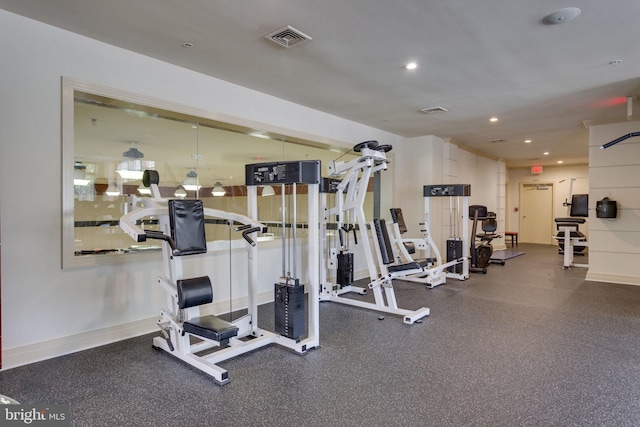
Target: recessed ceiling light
x,y
527,141
546,153
560,162
411,66
493,119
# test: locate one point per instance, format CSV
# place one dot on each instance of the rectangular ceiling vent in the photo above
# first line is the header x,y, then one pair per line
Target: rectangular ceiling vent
x,y
288,37
497,141
434,110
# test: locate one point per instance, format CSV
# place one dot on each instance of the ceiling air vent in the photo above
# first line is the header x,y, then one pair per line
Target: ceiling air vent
x,y
288,36
497,141
434,110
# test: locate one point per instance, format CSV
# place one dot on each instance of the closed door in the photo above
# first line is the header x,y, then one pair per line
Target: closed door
x,y
536,213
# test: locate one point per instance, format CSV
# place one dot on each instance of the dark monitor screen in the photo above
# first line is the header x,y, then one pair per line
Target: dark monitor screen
x,y
580,205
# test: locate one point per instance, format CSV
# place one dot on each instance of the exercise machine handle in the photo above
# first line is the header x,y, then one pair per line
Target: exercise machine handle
x,y
245,234
347,229
159,235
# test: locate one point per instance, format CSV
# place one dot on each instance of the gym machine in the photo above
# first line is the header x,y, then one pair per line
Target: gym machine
x,y
481,247
202,341
289,292
336,272
349,194
571,241
435,272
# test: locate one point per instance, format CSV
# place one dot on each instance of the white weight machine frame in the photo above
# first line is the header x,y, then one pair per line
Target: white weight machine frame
x,y
437,273
307,174
350,195
174,340
567,226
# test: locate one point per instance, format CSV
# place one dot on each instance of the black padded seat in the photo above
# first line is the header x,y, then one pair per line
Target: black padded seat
x,y
570,221
404,267
210,327
197,291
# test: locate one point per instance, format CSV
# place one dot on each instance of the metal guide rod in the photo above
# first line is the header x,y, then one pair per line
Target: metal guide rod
x,y
458,218
294,226
229,226
284,224
451,230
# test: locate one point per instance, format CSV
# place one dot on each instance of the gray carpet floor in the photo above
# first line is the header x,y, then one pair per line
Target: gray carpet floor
x,y
527,344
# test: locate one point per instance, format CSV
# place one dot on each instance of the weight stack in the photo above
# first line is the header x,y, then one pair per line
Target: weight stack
x,y
454,251
345,269
289,309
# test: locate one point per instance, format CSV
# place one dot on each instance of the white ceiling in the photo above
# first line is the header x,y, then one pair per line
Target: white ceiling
x,y
476,58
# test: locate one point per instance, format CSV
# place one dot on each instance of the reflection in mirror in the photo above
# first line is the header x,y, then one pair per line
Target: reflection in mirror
x,y
110,137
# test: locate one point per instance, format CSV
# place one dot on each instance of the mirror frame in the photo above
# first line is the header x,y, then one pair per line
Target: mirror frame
x,y
69,87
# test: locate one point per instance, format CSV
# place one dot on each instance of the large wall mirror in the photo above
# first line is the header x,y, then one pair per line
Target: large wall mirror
x,y
111,136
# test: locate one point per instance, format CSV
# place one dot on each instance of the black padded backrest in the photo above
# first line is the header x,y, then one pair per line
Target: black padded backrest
x,y
384,244
186,218
579,205
396,216
490,225
194,292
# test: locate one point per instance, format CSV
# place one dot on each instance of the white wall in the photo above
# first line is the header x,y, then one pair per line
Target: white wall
x,y
614,244
431,160
47,311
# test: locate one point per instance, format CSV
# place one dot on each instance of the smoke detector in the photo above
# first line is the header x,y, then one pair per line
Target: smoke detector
x,y
561,16
433,110
287,37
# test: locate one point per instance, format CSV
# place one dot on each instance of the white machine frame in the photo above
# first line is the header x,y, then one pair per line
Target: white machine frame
x,y
350,195
173,340
436,274
312,339
566,226
570,242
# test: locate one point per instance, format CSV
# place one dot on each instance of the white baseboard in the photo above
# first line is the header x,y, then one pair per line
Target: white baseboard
x,y
24,355
19,356
613,278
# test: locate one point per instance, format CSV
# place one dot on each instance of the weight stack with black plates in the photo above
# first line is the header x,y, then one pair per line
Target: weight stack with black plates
x,y
289,308
454,251
345,269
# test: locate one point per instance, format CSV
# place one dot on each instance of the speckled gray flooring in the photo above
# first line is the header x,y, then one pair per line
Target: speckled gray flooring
x,y
527,344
